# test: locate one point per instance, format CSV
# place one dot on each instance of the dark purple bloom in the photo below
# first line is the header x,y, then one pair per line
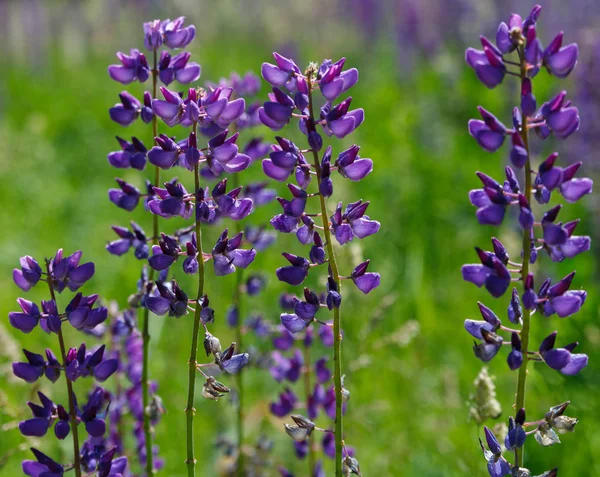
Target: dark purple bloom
x,y
352,166
32,370
132,154
497,466
492,273
339,121
562,359
171,33
515,439
487,63
230,205
177,68
227,255
135,238
285,73
43,466
172,201
365,281
166,154
282,160
126,197
490,322
28,275
333,81
92,414
276,113
559,299
515,357
66,271
165,253
133,67
82,315
26,320
561,118
43,417
571,188
285,405
168,299
489,133
560,60
295,273
226,152
127,111
353,222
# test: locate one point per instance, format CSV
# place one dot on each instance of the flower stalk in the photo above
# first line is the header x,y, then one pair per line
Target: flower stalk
x,y
337,337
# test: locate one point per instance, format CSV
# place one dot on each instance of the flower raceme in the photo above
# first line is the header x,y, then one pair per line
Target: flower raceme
x,y
541,230
293,97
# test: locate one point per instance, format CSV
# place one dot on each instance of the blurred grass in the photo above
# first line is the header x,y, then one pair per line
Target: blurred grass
x,y
408,362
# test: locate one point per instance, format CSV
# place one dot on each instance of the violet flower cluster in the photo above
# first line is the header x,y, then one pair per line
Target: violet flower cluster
x,y
293,97
518,52
77,362
218,112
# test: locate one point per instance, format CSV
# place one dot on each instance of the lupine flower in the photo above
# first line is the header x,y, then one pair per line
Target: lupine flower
x,y
42,466
490,323
177,68
515,357
82,315
295,273
132,154
135,238
333,81
515,439
231,363
66,271
283,160
275,114
92,414
353,222
28,319
285,405
227,255
171,109
229,204
133,67
127,111
561,118
365,281
491,202
172,300
489,133
562,359
492,273
28,275
339,121
559,299
165,253
487,63
282,74
171,201
171,33
127,197
32,370
302,430
166,154
560,60
351,166
81,364
498,466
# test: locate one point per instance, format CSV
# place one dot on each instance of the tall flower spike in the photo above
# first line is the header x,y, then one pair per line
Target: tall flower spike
x,y
285,160
519,38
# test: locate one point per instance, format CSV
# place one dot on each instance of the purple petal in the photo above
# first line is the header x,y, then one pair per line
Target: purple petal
x,y
577,363
37,427
367,282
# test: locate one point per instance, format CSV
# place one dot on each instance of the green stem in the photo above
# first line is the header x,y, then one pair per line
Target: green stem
x,y
237,303
307,391
189,410
145,311
337,338
520,398
72,412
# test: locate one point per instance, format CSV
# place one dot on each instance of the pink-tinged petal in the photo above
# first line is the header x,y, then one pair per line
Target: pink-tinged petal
x,y
121,74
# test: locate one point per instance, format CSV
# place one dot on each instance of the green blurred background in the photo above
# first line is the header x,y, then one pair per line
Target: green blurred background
x,y
408,361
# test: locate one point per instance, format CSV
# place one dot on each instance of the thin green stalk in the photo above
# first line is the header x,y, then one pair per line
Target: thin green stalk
x,y
337,338
189,410
145,311
72,411
237,303
520,398
307,394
